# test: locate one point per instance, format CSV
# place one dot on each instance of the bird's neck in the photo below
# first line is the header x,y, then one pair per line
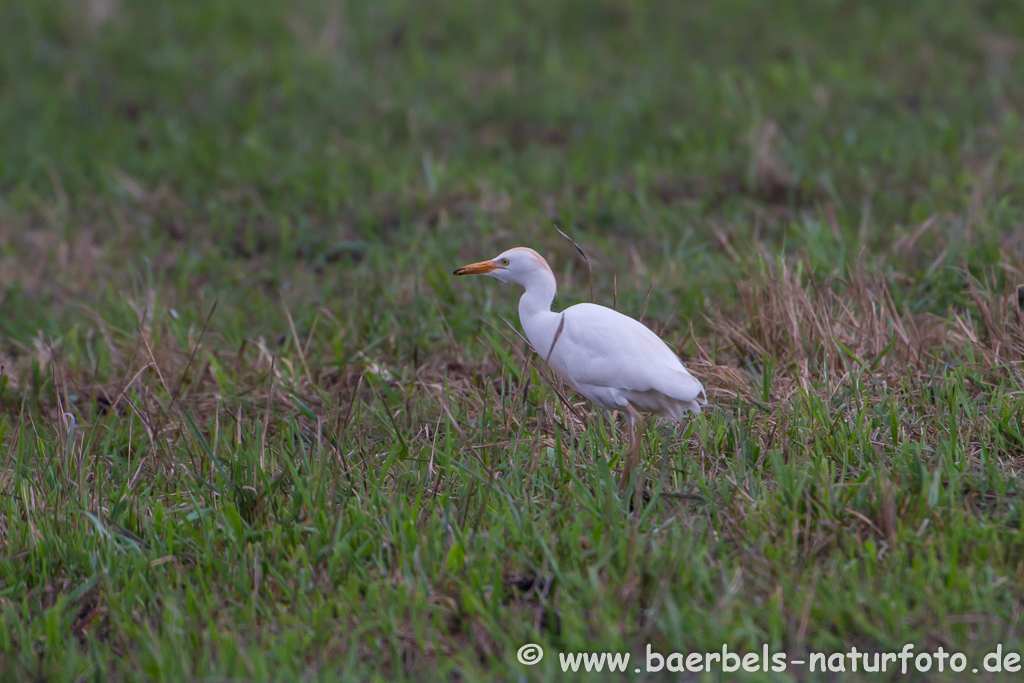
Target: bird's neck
x,y
538,320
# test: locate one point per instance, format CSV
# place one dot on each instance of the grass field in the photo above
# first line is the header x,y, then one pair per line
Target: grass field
x,y
251,428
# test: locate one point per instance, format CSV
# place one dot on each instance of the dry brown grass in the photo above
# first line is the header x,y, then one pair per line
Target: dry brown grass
x,y
824,331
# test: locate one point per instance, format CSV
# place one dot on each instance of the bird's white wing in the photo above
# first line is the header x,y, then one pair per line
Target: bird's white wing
x,y
604,348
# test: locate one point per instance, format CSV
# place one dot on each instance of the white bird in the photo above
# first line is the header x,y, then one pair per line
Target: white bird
x,y
611,359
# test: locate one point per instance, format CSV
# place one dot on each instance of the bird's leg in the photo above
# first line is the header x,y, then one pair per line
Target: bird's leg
x,y
638,433
636,422
627,466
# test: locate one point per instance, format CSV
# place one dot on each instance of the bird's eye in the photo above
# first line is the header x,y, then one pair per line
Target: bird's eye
x,y
504,261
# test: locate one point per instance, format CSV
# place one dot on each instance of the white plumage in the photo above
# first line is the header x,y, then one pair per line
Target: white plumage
x,y
611,359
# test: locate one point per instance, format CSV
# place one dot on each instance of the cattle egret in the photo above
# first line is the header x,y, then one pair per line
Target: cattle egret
x,y
611,359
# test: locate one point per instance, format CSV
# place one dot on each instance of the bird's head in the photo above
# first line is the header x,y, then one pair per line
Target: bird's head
x,y
520,265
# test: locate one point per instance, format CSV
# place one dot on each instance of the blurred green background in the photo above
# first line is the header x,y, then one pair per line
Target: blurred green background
x,y
312,134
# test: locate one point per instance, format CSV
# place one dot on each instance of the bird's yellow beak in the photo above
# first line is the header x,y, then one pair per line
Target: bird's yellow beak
x,y
477,268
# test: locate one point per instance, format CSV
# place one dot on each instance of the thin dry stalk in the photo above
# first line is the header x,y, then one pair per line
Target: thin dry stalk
x,y
590,268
